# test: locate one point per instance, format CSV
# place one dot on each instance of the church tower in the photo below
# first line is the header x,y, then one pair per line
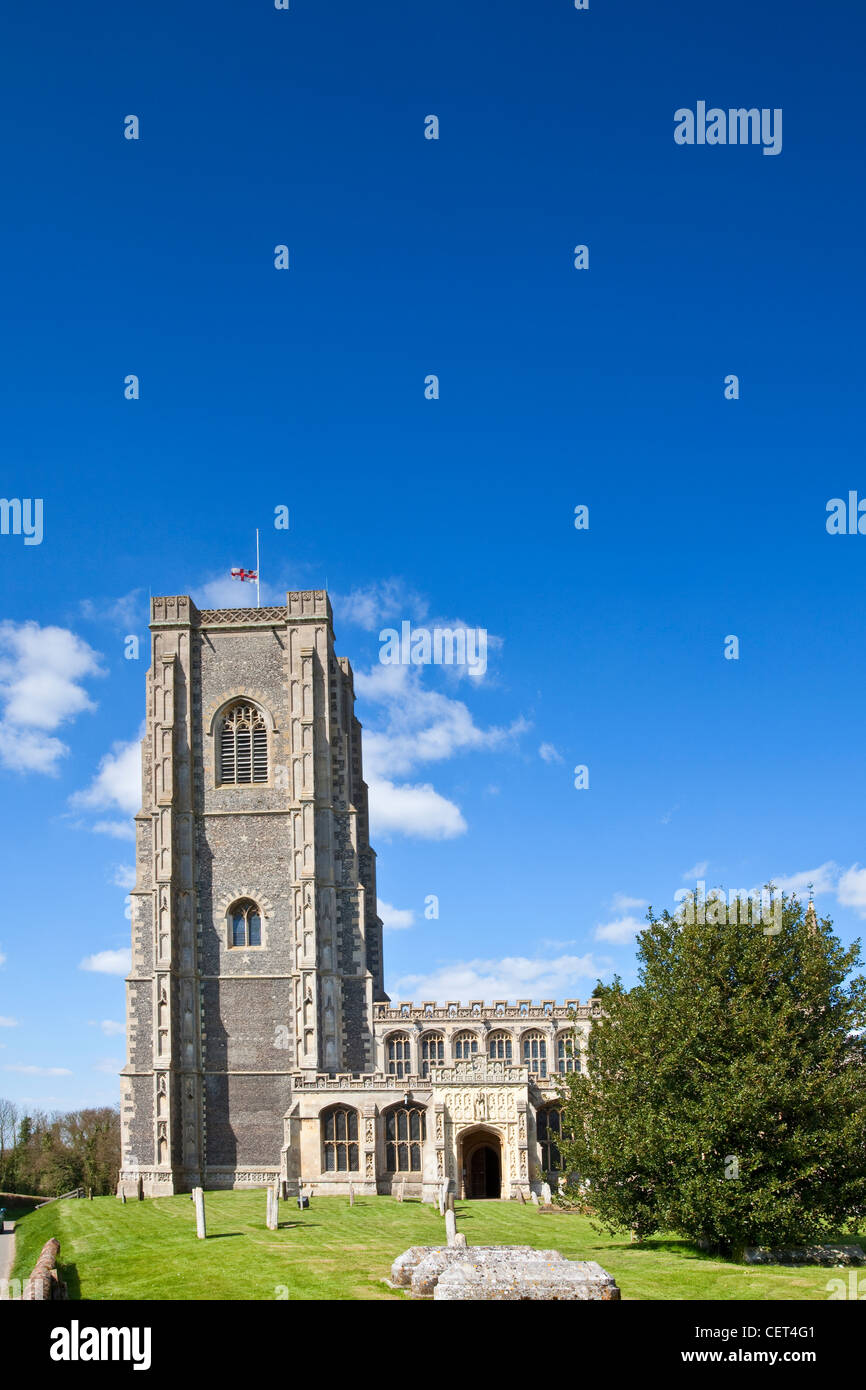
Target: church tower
x,y
256,948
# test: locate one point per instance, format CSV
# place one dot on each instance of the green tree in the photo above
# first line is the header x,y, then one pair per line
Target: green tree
x,y
725,1095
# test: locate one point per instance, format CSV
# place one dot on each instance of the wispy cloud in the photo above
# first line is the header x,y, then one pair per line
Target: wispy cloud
x,y
852,889
511,977
124,613
109,1027
619,932
374,605
110,1065
697,871
30,1070
549,754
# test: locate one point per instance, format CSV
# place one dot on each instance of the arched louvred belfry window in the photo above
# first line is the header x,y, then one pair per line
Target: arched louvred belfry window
x,y
243,746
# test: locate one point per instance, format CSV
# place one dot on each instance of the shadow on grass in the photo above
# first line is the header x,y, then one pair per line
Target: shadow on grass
x,y
69,1275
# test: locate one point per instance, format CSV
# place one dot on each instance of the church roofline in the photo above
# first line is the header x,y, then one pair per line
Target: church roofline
x,y
477,1009
302,605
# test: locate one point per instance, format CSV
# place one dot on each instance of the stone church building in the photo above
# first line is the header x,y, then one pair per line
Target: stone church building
x,y
261,1043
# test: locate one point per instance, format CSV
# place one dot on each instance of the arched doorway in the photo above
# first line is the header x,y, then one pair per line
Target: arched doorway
x,y
482,1165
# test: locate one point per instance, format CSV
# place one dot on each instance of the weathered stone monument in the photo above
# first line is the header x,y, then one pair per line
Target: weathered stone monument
x,y
450,1227
503,1273
200,1224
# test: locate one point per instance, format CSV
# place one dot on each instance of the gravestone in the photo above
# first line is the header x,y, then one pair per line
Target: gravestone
x,y
351,1194
545,1193
273,1211
522,1280
450,1227
200,1224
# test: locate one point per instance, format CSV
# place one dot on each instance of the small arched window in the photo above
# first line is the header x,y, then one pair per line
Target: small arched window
x,y
499,1046
243,746
432,1052
465,1046
397,1054
548,1126
535,1053
567,1055
405,1132
245,924
340,1140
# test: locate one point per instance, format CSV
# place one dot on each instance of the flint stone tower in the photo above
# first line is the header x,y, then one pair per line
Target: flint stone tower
x,y
257,951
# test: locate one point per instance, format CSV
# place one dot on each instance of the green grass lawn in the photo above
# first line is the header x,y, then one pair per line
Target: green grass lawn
x,y
149,1250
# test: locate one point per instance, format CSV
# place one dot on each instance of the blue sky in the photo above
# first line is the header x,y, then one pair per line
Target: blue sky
x,y
558,387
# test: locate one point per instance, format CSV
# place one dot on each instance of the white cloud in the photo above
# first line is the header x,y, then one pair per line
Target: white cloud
x,y
117,829
394,918
418,726
40,673
123,876
824,879
108,962
697,871
111,1028
386,600
417,811
224,592
512,977
8,1022
38,1071
116,784
852,889
623,903
2,958
421,725
620,932
549,754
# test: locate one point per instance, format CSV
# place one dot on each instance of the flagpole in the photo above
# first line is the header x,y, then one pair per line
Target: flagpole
x,y
258,574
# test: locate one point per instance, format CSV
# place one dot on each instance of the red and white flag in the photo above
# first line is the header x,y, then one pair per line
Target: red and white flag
x,y
244,574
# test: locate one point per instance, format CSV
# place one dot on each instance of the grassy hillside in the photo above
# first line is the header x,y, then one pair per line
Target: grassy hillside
x,y
149,1250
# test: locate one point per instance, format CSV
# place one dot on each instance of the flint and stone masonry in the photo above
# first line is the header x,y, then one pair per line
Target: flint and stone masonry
x,y
262,1046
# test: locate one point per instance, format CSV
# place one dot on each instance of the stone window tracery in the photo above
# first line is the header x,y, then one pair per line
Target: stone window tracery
x,y
548,1127
465,1046
398,1054
567,1054
340,1140
535,1053
243,747
432,1052
405,1132
245,924
500,1047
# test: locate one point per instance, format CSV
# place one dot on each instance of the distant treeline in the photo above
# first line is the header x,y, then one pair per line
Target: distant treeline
x,y
47,1155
